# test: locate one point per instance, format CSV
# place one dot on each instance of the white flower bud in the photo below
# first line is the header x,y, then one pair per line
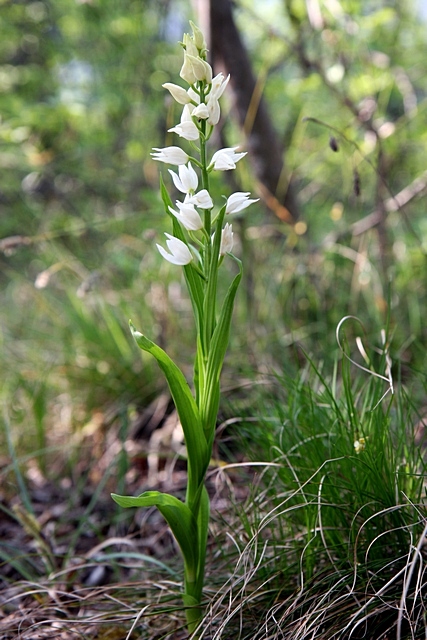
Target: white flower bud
x,y
187,72
208,72
226,240
198,37
201,69
213,111
189,45
178,93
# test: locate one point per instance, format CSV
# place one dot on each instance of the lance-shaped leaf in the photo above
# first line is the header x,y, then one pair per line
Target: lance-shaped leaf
x,y
217,351
179,518
197,451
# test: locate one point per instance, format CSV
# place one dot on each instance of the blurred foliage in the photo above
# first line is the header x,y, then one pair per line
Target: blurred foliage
x,y
346,87
81,106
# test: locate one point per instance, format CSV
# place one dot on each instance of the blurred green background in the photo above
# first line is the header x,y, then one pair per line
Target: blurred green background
x,y
81,106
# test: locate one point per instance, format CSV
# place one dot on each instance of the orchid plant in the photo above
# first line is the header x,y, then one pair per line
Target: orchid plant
x,y
199,242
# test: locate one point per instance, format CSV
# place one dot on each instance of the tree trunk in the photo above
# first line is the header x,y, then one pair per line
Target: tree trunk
x,y
229,55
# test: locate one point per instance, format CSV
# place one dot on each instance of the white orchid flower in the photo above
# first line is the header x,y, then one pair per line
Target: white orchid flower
x,y
179,252
200,112
170,155
187,180
238,201
214,112
187,216
201,199
226,159
186,129
218,87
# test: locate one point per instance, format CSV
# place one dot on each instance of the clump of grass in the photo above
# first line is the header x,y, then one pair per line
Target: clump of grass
x,y
333,543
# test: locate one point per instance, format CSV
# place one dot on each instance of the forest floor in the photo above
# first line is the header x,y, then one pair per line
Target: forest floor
x,y
74,564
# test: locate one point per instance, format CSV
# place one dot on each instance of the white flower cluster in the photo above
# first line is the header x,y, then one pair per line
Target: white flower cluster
x,y
201,112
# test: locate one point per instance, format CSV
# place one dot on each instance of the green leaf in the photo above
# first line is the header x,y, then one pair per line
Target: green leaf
x,y
197,450
178,516
217,352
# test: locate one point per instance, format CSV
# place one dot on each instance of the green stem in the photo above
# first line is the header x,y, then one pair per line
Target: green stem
x,y
205,176
194,615
192,599
209,307
194,577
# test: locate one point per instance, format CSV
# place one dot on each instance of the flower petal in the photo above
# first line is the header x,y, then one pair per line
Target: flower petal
x,y
201,112
178,93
